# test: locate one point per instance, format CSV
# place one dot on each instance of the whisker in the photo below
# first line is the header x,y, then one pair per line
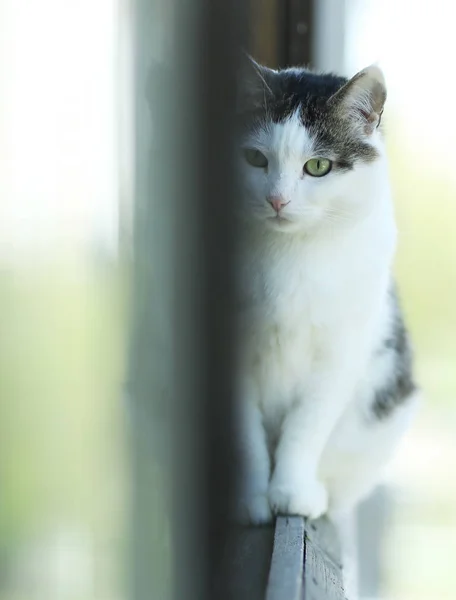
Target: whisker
x,y
337,216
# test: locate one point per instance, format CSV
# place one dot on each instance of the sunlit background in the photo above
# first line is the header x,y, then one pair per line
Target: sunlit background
x,y
65,189
62,456
414,43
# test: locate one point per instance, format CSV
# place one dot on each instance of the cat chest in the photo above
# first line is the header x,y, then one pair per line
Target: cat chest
x,y
294,317
280,358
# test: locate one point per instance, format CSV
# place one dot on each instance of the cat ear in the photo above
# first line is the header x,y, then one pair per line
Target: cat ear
x,y
363,98
255,84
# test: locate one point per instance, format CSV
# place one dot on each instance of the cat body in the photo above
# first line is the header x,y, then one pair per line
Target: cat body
x,y
325,389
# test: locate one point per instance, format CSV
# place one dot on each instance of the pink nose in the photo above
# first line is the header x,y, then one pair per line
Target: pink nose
x,y
277,202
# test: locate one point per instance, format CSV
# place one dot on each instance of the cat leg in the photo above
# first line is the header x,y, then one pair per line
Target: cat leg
x,y
359,449
295,487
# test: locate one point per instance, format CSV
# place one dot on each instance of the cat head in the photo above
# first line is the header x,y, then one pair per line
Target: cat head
x,y
311,151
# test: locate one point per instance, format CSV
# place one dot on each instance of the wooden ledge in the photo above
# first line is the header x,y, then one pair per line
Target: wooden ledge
x,y
294,560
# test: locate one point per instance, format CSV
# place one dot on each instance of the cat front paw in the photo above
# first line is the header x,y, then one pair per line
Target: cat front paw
x,y
308,499
254,510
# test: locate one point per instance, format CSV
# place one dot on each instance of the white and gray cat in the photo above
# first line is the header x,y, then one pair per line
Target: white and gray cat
x,y
325,386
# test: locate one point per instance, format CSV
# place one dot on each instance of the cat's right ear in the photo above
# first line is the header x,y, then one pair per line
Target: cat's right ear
x,y
254,84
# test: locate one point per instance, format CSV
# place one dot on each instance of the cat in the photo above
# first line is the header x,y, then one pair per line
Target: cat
x,y
325,382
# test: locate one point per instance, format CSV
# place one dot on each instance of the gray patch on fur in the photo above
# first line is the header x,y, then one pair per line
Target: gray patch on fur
x,y
399,386
274,96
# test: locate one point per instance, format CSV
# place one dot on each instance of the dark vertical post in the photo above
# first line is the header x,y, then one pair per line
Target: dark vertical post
x,y
267,35
299,32
183,334
216,192
150,573
281,32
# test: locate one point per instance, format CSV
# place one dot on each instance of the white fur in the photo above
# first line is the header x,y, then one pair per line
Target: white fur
x,y
314,288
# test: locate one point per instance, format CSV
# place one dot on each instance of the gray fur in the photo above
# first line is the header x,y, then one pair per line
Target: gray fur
x,y
400,385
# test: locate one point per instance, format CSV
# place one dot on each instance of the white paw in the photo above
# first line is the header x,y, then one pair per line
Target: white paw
x,y
254,510
308,499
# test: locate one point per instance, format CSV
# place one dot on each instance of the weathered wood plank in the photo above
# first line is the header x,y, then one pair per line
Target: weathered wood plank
x,y
305,561
323,578
294,560
323,534
286,573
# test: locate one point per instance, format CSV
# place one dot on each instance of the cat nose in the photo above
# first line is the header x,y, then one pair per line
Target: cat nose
x,y
277,202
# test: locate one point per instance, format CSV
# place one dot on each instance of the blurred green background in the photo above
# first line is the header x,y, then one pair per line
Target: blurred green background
x,y
62,450
421,541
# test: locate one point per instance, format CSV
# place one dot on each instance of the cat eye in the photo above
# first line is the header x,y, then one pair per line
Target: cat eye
x,y
255,158
317,167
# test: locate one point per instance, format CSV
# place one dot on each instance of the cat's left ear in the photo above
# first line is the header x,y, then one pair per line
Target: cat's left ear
x,y
363,98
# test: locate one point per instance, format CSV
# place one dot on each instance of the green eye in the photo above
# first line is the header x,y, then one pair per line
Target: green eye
x,y
255,158
317,167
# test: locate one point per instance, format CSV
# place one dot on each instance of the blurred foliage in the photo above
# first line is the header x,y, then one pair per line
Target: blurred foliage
x,y
425,197
421,539
61,441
